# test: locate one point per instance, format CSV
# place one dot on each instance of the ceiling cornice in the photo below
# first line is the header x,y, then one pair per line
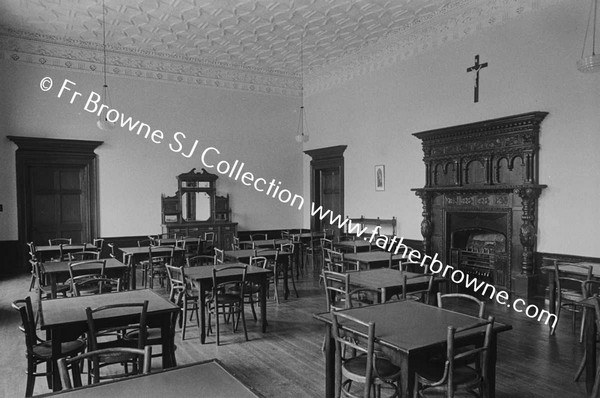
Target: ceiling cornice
x,y
422,35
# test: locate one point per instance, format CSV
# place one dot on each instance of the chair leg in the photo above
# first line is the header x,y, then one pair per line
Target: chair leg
x,y
32,283
251,302
184,316
581,367
294,283
31,368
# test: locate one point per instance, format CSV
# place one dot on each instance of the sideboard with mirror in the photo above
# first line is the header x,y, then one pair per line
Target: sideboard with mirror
x,y
196,209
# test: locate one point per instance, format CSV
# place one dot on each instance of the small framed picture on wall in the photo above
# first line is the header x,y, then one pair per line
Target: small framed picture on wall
x,y
380,177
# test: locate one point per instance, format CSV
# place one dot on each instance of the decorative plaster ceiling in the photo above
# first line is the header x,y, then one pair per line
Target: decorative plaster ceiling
x,y
240,44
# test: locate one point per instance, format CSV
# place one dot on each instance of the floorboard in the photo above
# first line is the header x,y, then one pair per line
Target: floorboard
x,y
287,361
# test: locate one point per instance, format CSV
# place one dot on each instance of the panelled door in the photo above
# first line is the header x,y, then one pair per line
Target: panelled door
x,y
59,204
57,191
327,184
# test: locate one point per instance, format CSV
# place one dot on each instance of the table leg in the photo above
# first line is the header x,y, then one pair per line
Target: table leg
x,y
491,370
263,303
52,282
55,335
551,294
590,350
202,301
286,289
168,342
329,364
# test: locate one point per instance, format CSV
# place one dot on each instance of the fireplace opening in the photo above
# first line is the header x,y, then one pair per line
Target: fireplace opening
x,y
480,245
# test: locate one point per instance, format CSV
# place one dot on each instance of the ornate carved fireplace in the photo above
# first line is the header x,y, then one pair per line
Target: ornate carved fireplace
x,y
480,198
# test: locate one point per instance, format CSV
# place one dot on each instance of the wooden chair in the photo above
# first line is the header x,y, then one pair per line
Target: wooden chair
x,y
43,290
193,247
200,260
568,288
251,290
99,243
589,288
260,236
227,298
141,357
464,303
80,271
209,241
96,285
156,266
190,302
421,292
290,248
39,351
337,290
357,361
463,369
102,335
126,280
60,241
363,296
84,255
33,256
219,256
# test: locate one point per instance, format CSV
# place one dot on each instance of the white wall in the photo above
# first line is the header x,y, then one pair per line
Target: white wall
x,y
531,68
133,172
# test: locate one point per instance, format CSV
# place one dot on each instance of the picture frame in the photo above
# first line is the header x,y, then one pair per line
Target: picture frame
x,y
380,177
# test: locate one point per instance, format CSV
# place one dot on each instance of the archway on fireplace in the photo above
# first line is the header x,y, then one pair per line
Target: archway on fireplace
x,y
479,243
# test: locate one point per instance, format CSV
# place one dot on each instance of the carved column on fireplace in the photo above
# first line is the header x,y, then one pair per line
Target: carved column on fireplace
x,y
426,224
485,171
527,232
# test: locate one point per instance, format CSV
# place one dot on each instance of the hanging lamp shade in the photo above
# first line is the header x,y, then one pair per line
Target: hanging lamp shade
x,y
591,61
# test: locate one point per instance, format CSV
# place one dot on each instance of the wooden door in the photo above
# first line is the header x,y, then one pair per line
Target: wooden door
x,y
59,205
57,189
327,184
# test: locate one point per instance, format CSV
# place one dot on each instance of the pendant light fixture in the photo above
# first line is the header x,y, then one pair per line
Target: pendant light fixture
x,y
591,62
301,135
103,123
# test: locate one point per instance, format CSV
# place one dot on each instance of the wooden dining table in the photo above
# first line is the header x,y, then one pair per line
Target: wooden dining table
x,y
199,379
406,332
45,252
387,281
202,278
142,253
374,259
58,271
284,260
66,320
354,246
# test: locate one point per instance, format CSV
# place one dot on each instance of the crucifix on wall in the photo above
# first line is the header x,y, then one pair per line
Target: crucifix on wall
x,y
477,67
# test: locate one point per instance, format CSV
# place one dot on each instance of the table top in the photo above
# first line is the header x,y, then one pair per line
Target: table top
x,y
204,272
55,267
380,278
247,253
146,249
265,242
575,270
353,243
172,241
72,310
73,247
411,326
203,379
372,257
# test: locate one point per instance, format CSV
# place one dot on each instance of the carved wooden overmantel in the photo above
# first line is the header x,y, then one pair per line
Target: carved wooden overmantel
x,y
490,167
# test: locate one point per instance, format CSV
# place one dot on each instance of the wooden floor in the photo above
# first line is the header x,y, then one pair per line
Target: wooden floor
x,y
287,361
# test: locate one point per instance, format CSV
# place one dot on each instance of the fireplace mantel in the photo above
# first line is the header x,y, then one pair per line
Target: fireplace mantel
x,y
488,166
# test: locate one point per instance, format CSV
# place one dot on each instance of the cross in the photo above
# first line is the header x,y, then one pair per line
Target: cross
x,y
477,67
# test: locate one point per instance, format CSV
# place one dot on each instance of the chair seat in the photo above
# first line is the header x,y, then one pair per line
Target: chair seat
x,y
44,350
358,365
570,296
434,371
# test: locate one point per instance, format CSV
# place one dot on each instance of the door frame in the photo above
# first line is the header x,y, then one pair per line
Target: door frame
x,y
325,158
40,151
